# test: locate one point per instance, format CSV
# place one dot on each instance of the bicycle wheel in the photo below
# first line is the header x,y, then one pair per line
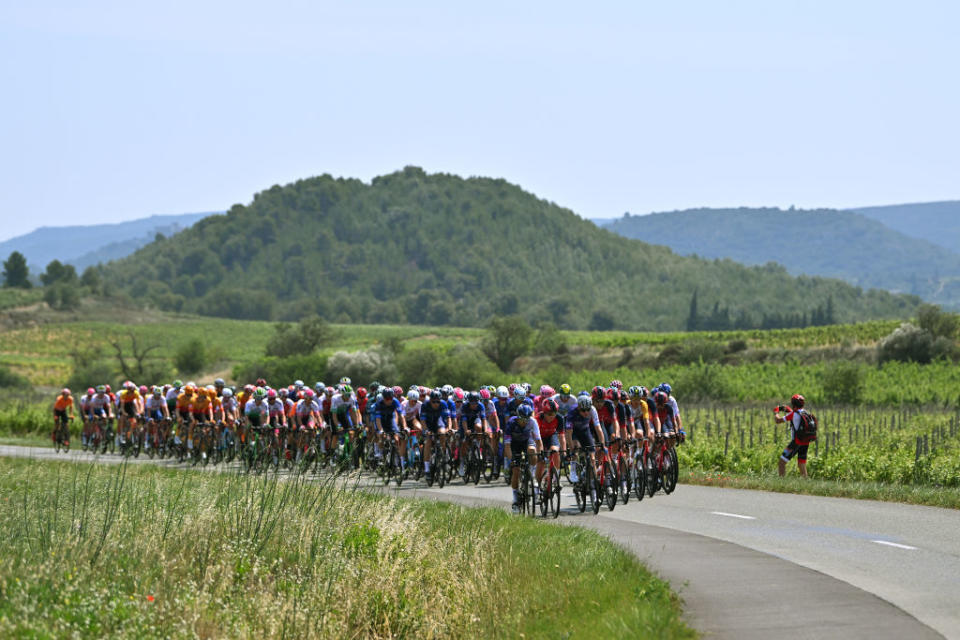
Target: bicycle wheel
x,y
56,436
440,466
542,496
610,485
531,499
651,462
396,465
626,483
670,472
476,463
553,495
639,475
594,488
488,462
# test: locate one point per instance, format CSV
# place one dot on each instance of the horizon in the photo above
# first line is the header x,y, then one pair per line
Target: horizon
x,y
126,109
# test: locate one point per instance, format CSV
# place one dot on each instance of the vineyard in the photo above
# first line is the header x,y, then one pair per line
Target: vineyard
x,y
906,447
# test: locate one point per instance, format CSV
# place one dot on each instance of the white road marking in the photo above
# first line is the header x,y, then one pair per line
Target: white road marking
x,y
732,515
894,544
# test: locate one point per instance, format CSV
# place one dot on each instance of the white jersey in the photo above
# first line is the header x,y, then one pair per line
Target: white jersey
x,y
99,402
172,395
305,407
254,409
341,404
228,404
565,406
410,410
155,402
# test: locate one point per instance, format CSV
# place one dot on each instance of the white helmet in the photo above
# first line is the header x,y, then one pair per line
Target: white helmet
x,y
413,395
503,392
227,392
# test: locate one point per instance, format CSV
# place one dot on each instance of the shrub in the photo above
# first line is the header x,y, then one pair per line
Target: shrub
x,y
691,351
910,343
416,366
90,374
843,382
304,337
507,339
191,357
465,366
703,382
363,366
280,371
548,341
9,379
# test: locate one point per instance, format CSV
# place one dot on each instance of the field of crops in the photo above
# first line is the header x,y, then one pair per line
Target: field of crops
x,y
906,447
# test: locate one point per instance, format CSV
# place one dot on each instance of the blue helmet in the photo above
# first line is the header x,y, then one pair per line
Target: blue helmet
x,y
524,411
666,388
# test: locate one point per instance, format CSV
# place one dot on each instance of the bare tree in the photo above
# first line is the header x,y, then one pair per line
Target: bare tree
x,y
137,353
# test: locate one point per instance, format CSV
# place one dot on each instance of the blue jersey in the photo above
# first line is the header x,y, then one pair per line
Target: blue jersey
x,y
387,413
470,417
502,406
514,403
516,431
434,416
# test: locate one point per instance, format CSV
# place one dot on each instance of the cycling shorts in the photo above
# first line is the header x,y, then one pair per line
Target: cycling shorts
x,y
129,409
795,449
584,437
552,440
60,414
517,447
254,420
98,412
346,420
389,427
435,427
607,430
155,415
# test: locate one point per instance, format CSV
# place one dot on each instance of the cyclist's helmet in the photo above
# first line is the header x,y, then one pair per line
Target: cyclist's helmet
x,y
143,390
374,387
227,393
527,386
361,392
660,397
545,390
485,394
346,390
309,394
624,397
346,380
564,389
261,382
524,411
549,406
260,393
435,395
319,387
157,391
248,388
616,384
91,391
598,393
634,391
519,392
65,392
387,393
666,388
101,388
643,391
446,389
413,395
458,395
107,388
219,382
329,391
271,395
611,394
503,392
797,401
473,397
178,383
298,384
398,391
584,403
513,385
283,392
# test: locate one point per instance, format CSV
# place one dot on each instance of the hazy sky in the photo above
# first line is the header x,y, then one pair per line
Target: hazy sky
x,y
117,110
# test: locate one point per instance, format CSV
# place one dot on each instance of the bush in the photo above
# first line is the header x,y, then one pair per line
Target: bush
x,y
363,366
9,379
310,368
465,366
691,351
91,374
507,339
548,341
303,338
416,366
909,343
191,357
843,382
62,296
703,382
939,323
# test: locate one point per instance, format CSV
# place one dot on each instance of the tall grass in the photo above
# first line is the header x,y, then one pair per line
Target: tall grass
x,y
91,551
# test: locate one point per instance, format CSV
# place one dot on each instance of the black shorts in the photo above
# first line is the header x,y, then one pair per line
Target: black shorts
x,y
584,437
552,440
129,409
518,446
795,449
60,415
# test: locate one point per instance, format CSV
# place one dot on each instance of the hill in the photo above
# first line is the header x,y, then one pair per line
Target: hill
x,y
822,242
85,245
936,222
439,249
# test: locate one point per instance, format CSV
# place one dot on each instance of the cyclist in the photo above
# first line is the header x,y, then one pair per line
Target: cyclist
x,y
522,434
434,417
100,406
607,414
678,422
472,418
86,416
61,406
157,413
551,433
666,415
798,445
346,415
582,425
390,421
128,404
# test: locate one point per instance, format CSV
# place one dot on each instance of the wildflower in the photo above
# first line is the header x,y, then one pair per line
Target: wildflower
x,y
149,598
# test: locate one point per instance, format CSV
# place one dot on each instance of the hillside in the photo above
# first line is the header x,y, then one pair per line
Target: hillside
x,y
439,249
822,242
936,222
84,245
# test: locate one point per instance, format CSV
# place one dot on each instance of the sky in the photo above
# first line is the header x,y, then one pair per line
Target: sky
x,y
111,111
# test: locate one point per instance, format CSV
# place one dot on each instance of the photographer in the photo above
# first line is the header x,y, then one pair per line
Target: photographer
x,y
798,442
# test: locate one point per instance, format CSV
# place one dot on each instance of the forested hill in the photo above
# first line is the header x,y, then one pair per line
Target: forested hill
x,y
936,222
440,249
822,242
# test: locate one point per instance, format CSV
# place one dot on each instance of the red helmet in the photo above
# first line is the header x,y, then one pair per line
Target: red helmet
x,y
660,397
271,394
458,394
261,382
485,394
398,391
549,406
248,388
361,392
144,390
107,387
597,393
797,401
611,394
65,391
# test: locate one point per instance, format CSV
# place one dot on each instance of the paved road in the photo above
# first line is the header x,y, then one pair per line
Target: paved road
x,y
752,564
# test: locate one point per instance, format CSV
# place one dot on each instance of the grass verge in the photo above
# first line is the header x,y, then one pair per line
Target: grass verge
x,y
94,551
911,494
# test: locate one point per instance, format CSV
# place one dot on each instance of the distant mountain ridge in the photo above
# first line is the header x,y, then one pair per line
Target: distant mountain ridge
x,y
412,247
936,222
85,245
821,242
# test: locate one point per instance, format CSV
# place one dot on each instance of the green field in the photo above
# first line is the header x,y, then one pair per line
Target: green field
x,y
94,551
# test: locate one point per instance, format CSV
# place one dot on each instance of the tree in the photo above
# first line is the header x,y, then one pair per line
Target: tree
x,y
58,272
15,271
938,322
62,296
91,278
693,321
132,360
507,339
191,357
602,320
300,339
